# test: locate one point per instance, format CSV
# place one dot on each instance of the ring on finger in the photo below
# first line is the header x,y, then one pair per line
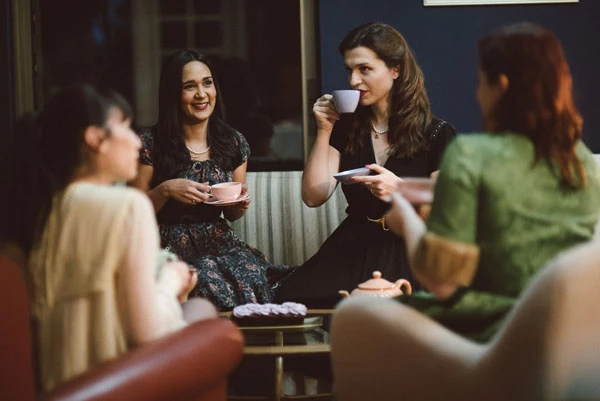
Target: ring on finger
x,y
193,201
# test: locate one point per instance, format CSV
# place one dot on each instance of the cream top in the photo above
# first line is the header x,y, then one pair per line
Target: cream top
x,y
95,290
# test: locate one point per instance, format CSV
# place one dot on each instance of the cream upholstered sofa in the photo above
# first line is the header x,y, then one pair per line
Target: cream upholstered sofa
x,y
279,224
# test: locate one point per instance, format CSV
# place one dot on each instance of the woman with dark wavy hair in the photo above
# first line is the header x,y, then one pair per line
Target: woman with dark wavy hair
x,y
392,132
189,149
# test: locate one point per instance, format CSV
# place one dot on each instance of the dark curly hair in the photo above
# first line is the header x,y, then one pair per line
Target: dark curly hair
x,y
170,155
538,102
409,110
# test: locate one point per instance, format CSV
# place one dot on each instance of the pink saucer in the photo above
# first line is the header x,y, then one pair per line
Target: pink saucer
x,y
216,202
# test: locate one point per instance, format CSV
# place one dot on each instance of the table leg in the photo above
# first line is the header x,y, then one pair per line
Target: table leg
x,y
278,368
278,378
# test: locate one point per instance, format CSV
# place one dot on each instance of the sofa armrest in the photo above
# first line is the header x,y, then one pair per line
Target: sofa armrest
x,y
185,365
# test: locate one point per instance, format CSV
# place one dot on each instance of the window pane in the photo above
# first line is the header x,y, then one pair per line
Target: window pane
x,y
90,43
273,53
172,7
94,42
207,6
173,35
208,34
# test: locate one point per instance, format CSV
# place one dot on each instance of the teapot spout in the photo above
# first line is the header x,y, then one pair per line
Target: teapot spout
x,y
344,294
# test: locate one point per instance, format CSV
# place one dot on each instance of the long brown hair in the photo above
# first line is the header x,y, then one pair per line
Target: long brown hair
x,y
538,102
409,110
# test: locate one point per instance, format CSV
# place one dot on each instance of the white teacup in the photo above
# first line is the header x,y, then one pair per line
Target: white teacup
x,y
226,191
346,100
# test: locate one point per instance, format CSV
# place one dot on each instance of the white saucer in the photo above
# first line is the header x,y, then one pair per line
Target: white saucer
x,y
217,202
344,176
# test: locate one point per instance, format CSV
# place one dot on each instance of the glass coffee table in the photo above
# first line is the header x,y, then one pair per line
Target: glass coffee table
x,y
279,343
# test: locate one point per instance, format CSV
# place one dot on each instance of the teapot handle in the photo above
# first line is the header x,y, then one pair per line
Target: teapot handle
x,y
404,283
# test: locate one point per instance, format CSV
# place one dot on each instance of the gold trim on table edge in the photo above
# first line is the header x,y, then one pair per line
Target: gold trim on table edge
x,y
287,349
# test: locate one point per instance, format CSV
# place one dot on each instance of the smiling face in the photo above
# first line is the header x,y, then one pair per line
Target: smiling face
x,y
119,148
198,92
370,75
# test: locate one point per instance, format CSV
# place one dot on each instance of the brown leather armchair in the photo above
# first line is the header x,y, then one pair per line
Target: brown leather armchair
x,y
191,364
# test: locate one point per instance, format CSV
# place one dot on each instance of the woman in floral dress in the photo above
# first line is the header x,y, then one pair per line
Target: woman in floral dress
x,y
188,150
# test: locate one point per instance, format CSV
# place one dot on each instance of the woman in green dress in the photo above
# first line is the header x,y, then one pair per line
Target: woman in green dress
x,y
507,200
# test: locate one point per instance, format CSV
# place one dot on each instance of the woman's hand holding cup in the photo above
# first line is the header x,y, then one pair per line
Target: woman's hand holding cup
x,y
327,108
325,113
186,191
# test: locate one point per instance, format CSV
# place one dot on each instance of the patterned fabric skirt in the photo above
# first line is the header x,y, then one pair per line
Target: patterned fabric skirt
x,y
230,272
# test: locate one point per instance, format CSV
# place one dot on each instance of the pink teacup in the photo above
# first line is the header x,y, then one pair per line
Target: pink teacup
x,y
226,191
417,191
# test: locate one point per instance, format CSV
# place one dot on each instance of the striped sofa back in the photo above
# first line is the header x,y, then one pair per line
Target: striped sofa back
x,y
279,224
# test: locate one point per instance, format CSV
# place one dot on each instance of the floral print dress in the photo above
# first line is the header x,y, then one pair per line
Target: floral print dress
x,y
230,272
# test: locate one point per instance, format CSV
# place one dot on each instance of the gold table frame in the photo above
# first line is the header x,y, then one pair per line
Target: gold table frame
x,y
279,350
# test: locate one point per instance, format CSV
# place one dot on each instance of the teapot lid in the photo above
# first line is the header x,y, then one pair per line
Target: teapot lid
x,y
376,283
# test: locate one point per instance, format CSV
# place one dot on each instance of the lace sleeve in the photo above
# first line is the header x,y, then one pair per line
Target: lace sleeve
x,y
243,145
147,146
439,138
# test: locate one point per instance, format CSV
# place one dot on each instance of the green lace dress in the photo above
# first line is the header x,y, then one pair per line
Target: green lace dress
x,y
490,196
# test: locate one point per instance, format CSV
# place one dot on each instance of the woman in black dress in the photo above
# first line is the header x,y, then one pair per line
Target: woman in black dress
x,y
394,133
190,148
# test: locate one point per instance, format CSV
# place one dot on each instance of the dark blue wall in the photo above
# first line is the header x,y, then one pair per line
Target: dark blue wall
x,y
444,40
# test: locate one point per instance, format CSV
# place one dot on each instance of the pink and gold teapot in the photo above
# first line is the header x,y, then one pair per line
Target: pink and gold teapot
x,y
379,287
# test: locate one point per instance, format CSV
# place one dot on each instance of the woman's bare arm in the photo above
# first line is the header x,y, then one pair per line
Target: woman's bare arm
x,y
405,222
317,179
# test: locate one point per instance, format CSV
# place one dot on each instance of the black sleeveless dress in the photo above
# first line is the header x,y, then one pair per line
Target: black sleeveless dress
x,y
358,247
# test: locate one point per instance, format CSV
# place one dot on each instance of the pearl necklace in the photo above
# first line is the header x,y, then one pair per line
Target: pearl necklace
x,y
378,132
197,153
